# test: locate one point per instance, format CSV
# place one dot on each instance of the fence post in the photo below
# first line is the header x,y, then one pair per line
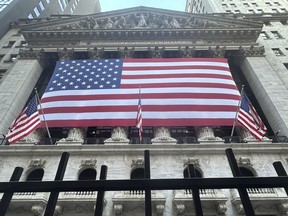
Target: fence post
x,y
101,193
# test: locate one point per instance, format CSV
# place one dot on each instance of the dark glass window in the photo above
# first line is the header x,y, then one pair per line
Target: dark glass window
x,y
35,175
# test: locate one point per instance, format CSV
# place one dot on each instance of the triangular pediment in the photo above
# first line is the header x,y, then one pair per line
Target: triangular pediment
x,y
142,18
140,23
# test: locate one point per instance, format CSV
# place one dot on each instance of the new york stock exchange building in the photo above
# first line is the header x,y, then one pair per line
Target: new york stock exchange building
x,y
181,74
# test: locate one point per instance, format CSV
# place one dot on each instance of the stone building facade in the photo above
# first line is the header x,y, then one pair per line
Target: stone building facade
x,y
144,32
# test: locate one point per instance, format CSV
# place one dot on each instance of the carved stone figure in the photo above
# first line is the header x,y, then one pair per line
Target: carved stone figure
x,y
109,24
174,23
142,21
165,23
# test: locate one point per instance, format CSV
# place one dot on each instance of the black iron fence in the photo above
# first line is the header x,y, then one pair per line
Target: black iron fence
x,y
192,184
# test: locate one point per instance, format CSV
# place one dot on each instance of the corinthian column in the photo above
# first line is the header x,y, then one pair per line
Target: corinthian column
x,y
75,135
34,137
206,134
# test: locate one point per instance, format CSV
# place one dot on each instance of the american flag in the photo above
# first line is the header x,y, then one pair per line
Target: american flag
x,y
26,122
174,92
139,120
250,120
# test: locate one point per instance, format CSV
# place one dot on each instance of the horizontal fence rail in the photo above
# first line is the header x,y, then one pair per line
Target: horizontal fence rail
x,y
192,183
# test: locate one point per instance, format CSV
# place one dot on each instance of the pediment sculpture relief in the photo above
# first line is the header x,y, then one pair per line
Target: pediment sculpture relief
x,y
139,21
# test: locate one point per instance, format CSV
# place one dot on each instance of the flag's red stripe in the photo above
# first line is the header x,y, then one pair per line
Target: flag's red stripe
x,y
151,108
146,123
174,67
143,96
175,60
164,76
163,85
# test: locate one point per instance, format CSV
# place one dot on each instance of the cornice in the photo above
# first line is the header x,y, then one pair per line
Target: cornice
x,y
168,149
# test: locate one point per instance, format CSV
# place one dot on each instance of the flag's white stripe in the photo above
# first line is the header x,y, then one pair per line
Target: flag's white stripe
x,y
134,102
179,71
178,80
161,64
143,91
27,122
145,115
25,132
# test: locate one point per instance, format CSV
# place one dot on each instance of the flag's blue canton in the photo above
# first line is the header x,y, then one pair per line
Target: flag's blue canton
x,y
32,106
245,103
86,74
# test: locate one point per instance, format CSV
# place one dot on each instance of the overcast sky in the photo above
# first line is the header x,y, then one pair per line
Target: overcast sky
x,y
108,5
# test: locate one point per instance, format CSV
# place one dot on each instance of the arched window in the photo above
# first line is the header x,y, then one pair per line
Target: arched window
x,y
35,175
137,173
197,172
246,172
87,174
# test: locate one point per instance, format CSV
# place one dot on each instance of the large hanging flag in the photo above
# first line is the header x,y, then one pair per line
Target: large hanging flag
x,y
26,122
249,118
174,92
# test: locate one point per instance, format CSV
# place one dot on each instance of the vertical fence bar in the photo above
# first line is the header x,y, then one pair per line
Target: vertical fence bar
x,y
247,205
7,196
148,205
51,204
280,172
101,193
195,192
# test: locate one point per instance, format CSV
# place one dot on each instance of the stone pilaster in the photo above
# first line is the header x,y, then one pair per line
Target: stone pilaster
x,y
119,135
206,134
18,85
244,52
162,136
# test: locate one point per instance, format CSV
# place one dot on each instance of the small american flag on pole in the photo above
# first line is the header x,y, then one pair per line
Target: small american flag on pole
x,y
139,120
250,120
26,122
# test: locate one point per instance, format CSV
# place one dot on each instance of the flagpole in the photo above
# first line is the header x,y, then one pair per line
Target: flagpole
x,y
236,115
47,129
139,117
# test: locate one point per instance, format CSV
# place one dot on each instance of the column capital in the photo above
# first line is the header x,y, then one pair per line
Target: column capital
x,y
65,54
126,52
96,53
156,52
34,54
186,52
217,52
244,52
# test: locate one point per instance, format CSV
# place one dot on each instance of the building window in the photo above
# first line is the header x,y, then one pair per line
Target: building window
x,y
246,4
61,5
274,10
264,35
30,16
251,11
1,56
225,5
97,135
276,35
35,175
277,52
277,3
233,5
9,45
285,64
41,5
36,11
228,11
88,174
197,172
254,4
283,10
267,23
268,4
237,11
259,11
2,72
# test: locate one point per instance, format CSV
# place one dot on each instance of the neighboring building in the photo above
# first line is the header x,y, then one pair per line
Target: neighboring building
x,y
43,42
13,10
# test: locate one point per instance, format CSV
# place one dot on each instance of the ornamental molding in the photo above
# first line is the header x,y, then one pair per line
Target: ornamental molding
x,y
193,161
88,163
37,163
140,23
34,54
